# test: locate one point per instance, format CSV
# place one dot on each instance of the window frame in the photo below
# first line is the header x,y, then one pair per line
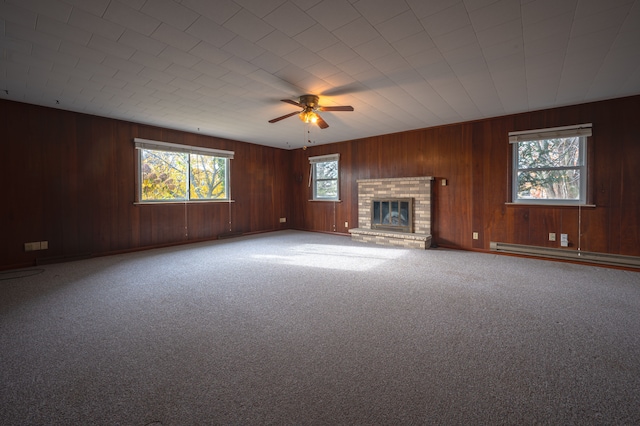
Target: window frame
x,y
146,144
313,181
583,132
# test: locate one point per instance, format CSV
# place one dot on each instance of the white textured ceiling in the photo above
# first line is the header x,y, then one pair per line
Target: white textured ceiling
x,y
220,67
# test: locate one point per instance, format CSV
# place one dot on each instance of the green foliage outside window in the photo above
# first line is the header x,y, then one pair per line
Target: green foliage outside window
x,y
207,179
326,180
165,175
550,169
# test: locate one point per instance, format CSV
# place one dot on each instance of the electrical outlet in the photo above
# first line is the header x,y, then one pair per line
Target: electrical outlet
x,y
32,246
443,182
475,236
346,224
283,219
564,240
552,236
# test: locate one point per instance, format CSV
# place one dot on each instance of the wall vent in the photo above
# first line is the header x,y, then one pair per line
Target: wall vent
x,y
580,256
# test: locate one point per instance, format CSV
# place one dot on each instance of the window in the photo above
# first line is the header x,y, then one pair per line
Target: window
x,y
550,165
325,173
166,170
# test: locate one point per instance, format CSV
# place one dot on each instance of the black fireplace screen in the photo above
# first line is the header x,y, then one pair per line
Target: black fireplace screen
x,y
392,214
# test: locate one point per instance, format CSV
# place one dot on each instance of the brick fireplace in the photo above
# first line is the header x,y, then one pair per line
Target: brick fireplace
x,y
418,189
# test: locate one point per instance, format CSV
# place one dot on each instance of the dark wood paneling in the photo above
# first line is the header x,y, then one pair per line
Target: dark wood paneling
x,y
540,220
517,225
23,182
71,181
491,153
630,176
453,207
475,160
594,228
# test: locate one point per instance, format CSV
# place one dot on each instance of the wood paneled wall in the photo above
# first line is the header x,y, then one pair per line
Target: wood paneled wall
x,y
69,179
474,158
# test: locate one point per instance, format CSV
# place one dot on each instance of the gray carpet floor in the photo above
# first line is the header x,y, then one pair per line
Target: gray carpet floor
x,y
305,328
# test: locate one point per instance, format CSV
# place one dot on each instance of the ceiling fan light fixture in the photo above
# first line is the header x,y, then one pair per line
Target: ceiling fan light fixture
x,y
308,116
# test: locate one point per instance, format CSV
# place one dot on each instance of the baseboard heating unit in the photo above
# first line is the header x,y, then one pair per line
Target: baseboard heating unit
x,y
563,254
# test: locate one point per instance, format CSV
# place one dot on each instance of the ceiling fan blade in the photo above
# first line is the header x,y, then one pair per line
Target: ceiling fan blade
x,y
321,123
336,108
283,117
289,101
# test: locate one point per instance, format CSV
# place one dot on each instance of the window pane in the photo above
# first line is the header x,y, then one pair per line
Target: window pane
x,y
385,212
404,213
163,175
376,212
549,185
327,170
394,213
564,152
327,189
207,177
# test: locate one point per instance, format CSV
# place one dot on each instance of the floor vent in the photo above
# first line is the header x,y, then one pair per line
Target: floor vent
x,y
581,256
230,234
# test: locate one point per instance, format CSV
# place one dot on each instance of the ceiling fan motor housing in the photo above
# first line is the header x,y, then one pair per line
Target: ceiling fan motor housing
x,y
310,101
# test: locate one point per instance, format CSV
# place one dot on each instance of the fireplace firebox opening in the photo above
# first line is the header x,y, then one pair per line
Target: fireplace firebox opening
x,y
394,214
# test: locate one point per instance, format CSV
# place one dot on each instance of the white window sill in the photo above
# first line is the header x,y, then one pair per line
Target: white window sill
x,y
525,204
153,203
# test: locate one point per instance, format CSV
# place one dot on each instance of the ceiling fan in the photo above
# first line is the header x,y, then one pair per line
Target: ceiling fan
x,y
309,105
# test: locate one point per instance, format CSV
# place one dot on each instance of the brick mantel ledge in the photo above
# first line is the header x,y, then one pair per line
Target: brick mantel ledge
x,y
399,179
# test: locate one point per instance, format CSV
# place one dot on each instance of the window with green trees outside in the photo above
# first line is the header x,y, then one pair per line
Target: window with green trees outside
x,y
550,168
169,172
325,177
